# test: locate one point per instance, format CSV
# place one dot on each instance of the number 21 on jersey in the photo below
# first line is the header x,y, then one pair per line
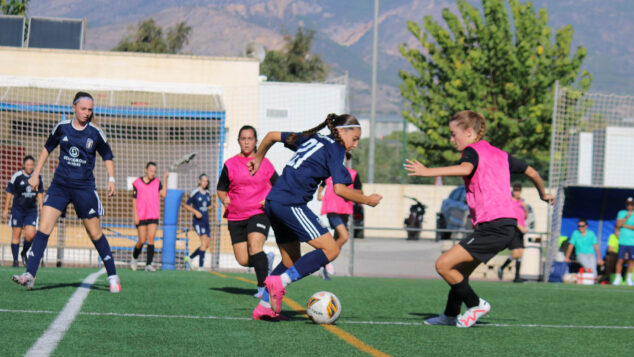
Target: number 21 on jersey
x,y
304,152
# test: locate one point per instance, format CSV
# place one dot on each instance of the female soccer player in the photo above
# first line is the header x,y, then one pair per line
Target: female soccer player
x,y
26,202
198,203
79,141
486,172
146,205
243,196
517,244
316,158
338,211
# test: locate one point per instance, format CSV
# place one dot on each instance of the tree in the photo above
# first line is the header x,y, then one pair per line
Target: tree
x,y
14,7
149,38
502,70
295,63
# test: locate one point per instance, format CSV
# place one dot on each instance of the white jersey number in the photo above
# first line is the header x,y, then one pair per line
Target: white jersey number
x,y
304,152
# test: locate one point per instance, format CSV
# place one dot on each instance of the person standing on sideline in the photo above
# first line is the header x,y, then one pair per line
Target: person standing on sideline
x,y
517,244
198,203
625,225
486,171
586,246
338,211
73,182
26,203
243,196
147,192
316,158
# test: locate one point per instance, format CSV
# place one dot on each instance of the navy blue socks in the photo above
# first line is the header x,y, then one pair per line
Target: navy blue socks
x,y
37,251
103,248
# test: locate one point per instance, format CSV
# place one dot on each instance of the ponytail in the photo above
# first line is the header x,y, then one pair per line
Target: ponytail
x,y
332,121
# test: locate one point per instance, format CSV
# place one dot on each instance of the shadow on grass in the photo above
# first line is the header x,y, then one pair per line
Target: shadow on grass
x,y
234,290
69,285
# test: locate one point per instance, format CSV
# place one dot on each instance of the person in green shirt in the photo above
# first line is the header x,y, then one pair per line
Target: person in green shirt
x,y
586,246
625,227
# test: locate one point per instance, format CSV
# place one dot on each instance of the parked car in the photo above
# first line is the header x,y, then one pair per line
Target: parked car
x,y
454,214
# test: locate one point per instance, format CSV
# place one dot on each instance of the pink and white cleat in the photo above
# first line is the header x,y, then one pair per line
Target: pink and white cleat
x,y
472,315
115,284
262,312
276,291
26,279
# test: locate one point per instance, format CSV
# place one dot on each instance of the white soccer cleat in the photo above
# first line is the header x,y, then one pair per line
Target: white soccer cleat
x,y
133,264
115,284
629,282
473,314
150,267
330,269
617,280
441,320
26,279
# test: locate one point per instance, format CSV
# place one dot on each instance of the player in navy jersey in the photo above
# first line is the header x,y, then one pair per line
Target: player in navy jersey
x,y
79,141
316,158
198,203
26,202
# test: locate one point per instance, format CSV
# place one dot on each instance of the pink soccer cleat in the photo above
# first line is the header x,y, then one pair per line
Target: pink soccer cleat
x,y
473,314
262,312
115,284
276,291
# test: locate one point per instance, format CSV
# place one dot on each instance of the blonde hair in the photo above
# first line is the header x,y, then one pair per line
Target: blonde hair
x,y
470,119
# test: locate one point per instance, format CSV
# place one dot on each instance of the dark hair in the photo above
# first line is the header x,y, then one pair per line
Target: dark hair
x,y
517,187
150,163
583,220
332,122
248,127
200,178
80,95
27,158
470,119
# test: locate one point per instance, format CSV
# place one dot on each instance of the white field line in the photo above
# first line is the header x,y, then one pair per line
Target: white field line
x,y
342,322
46,344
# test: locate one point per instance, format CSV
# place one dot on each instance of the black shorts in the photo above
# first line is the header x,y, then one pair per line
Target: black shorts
x,y
146,222
490,238
239,230
518,240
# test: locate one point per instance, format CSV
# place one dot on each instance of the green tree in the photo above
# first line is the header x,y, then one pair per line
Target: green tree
x,y
148,37
486,63
295,63
14,7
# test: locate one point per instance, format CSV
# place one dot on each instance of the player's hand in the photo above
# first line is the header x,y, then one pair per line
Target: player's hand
x,y
254,165
112,189
226,201
548,198
567,260
522,229
136,221
374,199
198,215
415,168
262,203
5,213
165,175
34,182
600,261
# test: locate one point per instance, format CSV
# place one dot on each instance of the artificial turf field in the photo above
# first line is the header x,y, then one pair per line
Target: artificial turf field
x,y
182,313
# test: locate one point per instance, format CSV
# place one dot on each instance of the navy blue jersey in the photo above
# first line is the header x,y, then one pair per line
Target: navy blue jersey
x,y
77,151
200,200
316,158
24,198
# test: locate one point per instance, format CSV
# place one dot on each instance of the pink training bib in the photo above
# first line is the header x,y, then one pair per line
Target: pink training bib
x,y
333,203
488,190
247,192
520,213
148,204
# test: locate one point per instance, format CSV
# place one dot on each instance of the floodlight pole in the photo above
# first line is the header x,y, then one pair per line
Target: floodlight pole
x,y
375,40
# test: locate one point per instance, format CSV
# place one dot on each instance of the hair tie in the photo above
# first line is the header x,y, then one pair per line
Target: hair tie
x,y
348,126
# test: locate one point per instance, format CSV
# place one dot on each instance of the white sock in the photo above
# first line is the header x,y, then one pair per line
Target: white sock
x,y
629,276
285,279
265,304
617,279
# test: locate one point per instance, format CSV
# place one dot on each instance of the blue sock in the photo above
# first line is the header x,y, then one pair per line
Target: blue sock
x,y
103,248
307,264
195,253
201,258
15,248
37,251
25,247
279,269
265,296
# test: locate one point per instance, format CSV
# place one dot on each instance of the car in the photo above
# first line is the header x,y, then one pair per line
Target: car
x,y
454,214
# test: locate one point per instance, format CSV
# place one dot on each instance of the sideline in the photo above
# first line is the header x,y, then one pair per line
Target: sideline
x,y
46,344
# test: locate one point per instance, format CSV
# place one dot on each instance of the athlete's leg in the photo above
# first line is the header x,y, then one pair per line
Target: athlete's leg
x,y
341,235
48,219
205,242
93,228
151,233
455,266
15,243
241,252
29,234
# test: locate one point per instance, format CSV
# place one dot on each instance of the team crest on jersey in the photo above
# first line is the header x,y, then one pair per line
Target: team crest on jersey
x,y
73,151
89,143
28,189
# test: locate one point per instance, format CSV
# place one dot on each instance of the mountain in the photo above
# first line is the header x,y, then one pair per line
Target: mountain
x,y
344,32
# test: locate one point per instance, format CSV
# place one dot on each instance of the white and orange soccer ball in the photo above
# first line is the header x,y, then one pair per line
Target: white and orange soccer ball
x,y
323,307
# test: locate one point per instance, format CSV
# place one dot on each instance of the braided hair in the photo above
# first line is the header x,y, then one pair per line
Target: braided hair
x,y
470,119
332,122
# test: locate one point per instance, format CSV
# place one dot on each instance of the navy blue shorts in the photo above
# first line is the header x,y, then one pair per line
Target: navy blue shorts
x,y
201,226
292,223
86,201
336,219
626,249
23,218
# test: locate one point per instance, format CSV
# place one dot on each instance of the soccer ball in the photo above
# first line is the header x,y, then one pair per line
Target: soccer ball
x,y
323,307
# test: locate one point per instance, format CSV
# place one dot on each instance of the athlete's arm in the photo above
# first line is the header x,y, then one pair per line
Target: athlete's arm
x,y
224,198
417,169
40,201
354,196
34,181
539,184
5,211
136,217
320,193
196,212
271,138
163,191
112,188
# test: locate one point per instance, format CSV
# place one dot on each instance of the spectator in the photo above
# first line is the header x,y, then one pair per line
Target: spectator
x,y
610,257
625,226
585,243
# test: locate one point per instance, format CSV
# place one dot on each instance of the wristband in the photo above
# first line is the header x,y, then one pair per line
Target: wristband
x,y
111,179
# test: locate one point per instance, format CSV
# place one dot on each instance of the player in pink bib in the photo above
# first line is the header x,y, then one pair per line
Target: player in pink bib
x,y
486,172
517,244
243,196
147,192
